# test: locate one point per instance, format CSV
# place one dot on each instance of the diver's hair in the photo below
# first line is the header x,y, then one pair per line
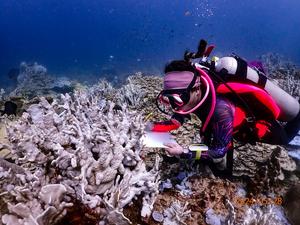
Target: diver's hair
x,y
179,65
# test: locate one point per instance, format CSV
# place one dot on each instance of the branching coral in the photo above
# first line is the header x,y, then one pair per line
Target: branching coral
x,y
176,213
143,92
269,215
131,94
21,189
133,184
92,153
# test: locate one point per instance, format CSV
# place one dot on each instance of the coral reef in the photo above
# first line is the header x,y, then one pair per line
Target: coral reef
x,y
2,92
284,72
33,80
88,154
265,215
132,94
268,167
142,92
82,154
207,194
248,158
292,204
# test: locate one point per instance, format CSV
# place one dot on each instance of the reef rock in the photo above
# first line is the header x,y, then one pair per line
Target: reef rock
x,y
292,204
249,158
266,166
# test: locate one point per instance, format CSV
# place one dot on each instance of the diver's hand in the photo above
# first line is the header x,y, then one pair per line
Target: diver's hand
x,y
174,148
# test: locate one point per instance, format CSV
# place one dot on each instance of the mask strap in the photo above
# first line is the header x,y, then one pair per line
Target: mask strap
x,y
209,85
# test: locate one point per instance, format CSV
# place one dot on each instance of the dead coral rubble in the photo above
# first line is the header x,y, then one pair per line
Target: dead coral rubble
x,y
73,150
206,194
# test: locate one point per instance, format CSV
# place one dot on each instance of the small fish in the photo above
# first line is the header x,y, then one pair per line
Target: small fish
x,y
198,24
187,13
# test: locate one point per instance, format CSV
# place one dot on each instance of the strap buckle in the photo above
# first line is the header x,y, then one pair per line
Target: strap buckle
x,y
250,119
198,149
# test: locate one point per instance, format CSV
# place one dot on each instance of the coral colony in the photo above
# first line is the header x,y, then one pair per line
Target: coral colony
x,y
78,158
70,149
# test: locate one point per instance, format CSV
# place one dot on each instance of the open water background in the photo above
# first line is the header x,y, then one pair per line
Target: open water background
x,y
87,39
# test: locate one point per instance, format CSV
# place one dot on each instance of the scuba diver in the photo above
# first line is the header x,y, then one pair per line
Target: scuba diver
x,y
232,98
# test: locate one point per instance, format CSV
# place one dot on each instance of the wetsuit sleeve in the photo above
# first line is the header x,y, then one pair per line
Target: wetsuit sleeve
x,y
222,129
221,133
174,123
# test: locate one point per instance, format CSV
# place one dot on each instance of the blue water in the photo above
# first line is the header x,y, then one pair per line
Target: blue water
x,y
86,38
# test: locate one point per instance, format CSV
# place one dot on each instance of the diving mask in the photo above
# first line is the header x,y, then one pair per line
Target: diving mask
x,y
175,99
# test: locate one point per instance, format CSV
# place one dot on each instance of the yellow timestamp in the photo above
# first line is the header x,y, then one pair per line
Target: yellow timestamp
x,y
259,201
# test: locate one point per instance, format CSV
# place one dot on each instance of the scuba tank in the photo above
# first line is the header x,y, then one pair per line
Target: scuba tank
x,y
236,69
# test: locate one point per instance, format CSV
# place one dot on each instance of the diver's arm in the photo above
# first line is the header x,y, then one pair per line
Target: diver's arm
x,y
222,129
174,123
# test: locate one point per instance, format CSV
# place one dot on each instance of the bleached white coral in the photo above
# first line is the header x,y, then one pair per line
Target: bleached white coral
x,y
80,149
269,215
134,183
176,214
131,94
22,188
